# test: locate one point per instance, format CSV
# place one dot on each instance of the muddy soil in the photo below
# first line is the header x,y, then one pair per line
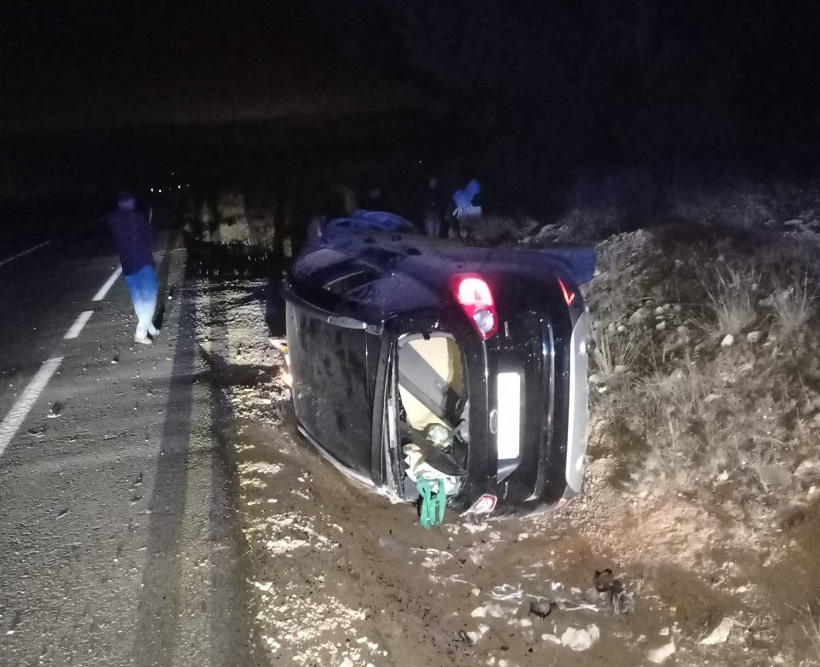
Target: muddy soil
x,y
341,576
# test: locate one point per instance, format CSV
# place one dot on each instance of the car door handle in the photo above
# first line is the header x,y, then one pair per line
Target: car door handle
x,y
346,322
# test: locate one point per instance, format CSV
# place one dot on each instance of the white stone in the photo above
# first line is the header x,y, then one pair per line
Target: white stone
x,y
658,655
720,634
476,635
580,639
728,341
639,316
754,336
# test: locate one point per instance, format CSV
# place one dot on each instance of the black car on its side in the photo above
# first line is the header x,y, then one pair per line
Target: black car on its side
x,y
412,356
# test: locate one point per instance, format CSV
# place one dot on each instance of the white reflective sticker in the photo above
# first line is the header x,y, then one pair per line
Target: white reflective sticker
x,y
509,415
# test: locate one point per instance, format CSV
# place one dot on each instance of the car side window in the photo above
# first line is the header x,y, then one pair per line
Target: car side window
x,y
352,279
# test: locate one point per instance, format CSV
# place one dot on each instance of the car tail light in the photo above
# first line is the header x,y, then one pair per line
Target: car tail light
x,y
477,301
569,295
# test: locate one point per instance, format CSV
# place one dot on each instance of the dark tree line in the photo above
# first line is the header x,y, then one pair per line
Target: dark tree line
x,y
613,79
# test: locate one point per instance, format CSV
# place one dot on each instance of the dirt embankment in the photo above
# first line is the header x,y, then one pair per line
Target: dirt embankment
x,y
701,491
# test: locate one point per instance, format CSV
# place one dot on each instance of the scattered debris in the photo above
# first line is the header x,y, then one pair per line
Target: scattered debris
x,y
474,636
472,527
541,608
507,592
580,639
564,604
492,610
622,600
603,580
720,634
660,654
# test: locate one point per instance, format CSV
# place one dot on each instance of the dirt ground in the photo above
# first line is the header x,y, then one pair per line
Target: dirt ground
x,y
343,577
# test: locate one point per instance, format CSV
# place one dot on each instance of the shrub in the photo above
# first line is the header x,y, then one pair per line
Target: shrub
x,y
731,300
614,352
794,306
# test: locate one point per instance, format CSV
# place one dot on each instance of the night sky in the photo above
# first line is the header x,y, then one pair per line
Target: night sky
x,y
584,83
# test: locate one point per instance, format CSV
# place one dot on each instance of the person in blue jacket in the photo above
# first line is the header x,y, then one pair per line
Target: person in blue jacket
x,y
134,239
467,209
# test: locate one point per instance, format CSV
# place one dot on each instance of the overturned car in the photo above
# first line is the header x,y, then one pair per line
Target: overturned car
x,y
422,359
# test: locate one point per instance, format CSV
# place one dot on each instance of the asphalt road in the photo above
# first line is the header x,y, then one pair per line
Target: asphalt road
x,y
117,539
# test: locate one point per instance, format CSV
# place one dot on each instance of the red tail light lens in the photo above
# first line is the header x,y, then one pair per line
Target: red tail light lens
x,y
569,295
476,299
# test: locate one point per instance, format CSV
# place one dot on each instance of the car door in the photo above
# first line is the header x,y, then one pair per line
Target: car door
x,y
334,360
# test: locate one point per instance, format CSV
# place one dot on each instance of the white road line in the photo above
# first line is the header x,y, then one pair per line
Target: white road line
x,y
18,412
100,295
25,252
78,325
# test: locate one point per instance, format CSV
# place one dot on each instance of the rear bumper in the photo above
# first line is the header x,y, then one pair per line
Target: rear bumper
x,y
530,456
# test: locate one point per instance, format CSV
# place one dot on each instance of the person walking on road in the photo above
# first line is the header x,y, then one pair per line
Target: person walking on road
x,y
134,239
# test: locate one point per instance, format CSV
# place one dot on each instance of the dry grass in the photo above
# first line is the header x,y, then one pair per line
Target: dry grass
x,y
731,299
614,352
811,627
679,395
682,433
680,412
794,306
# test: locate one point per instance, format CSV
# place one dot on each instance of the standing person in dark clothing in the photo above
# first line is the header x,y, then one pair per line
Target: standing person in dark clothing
x,y
434,211
374,200
134,239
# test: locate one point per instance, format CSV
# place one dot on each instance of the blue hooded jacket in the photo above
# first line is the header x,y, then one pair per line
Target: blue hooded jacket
x,y
134,239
